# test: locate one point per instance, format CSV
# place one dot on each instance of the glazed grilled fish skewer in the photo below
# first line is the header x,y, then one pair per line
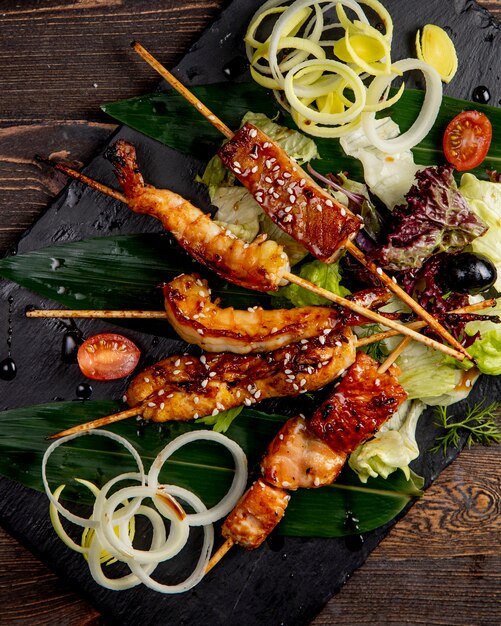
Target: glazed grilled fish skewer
x,y
291,198
311,455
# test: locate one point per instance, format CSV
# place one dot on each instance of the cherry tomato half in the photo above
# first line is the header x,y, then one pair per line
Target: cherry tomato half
x,y
467,139
107,357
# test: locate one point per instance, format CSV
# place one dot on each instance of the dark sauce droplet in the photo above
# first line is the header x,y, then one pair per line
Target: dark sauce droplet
x,y
8,369
481,94
236,67
69,347
83,391
155,341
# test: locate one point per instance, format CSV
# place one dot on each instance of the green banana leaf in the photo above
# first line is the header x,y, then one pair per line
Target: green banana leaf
x,y
206,468
120,272
168,118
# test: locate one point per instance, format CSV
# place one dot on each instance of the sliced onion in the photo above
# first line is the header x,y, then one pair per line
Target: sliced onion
x,y
237,486
58,527
198,573
76,519
425,119
178,535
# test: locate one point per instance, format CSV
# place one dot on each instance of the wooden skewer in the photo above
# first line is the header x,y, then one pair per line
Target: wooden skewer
x,y
102,421
96,314
418,324
351,248
394,354
375,317
218,555
180,88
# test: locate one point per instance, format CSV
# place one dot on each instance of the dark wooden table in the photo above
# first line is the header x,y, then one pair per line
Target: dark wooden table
x,y
58,62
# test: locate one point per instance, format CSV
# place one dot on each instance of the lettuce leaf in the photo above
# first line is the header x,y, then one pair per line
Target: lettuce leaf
x,y
237,211
486,350
392,448
484,198
321,274
435,219
295,144
388,176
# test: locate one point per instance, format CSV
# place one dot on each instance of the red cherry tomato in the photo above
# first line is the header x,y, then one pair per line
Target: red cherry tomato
x,y
467,139
107,357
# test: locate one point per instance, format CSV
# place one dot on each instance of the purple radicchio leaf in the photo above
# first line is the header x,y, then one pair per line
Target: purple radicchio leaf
x,y
435,219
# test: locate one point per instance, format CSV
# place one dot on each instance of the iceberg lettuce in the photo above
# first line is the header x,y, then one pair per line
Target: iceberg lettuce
x,y
487,348
388,176
484,198
392,448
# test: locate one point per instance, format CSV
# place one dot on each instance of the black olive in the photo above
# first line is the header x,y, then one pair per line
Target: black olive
x,y
468,273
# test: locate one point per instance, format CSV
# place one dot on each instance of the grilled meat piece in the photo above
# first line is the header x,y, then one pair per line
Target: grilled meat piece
x,y
256,514
362,401
297,458
260,265
187,387
292,199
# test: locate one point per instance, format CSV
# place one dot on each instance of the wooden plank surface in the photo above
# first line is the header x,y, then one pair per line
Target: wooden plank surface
x,y
58,62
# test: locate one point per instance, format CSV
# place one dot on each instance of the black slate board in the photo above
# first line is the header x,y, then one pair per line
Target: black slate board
x,y
288,586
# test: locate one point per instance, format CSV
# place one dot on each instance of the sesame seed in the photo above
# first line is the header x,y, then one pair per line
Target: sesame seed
x,y
302,182
247,402
236,164
257,394
288,372
287,498
177,363
151,404
195,416
287,175
285,484
237,170
281,437
276,195
276,168
468,383
254,169
327,331
205,382
379,271
292,198
171,395
295,387
268,179
377,382
215,411
338,344
220,406
268,163
162,406
343,212
394,280
200,331
190,362
288,209
238,394
329,203
302,382
322,340
288,218
176,372
196,399
203,360
316,482
266,144
304,341
253,132
124,398
212,374
319,208
146,379
161,392
280,182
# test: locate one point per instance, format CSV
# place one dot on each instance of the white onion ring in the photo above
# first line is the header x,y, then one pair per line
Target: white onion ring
x,y
129,580
198,573
237,486
426,118
76,519
178,536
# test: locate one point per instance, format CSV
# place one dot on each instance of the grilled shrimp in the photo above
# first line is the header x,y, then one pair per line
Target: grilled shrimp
x,y
188,387
199,321
260,265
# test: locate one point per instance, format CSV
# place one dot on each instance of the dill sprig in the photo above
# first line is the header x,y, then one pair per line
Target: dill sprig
x,y
481,422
